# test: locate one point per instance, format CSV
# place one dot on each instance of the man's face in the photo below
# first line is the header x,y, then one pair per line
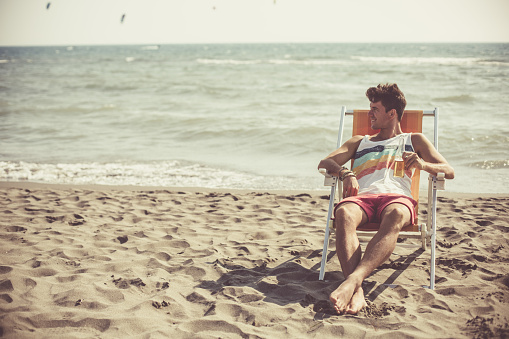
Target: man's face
x,y
377,115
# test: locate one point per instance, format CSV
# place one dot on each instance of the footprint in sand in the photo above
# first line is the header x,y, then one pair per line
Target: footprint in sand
x,y
6,286
122,239
15,229
5,269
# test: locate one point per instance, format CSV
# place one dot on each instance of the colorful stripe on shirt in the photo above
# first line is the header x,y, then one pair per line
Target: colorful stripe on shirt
x,y
369,160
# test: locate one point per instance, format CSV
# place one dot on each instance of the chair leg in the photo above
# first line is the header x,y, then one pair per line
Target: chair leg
x,y
327,233
432,269
324,253
423,237
433,239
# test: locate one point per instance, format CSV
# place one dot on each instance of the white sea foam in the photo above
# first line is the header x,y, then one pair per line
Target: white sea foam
x,y
271,61
163,174
492,164
150,48
228,62
418,60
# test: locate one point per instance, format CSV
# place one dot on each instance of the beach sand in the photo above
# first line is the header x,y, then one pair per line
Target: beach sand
x,y
116,262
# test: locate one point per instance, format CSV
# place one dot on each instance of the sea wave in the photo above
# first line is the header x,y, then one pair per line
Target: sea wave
x,y
112,87
150,48
463,98
228,62
313,62
491,164
162,174
494,62
418,60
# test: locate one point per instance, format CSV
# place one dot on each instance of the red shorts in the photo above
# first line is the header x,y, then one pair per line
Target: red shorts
x,y
374,204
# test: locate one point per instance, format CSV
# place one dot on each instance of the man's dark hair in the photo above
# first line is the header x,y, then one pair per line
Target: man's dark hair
x,y
390,96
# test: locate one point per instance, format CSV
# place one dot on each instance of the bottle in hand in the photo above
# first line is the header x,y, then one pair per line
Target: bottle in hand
x,y
399,164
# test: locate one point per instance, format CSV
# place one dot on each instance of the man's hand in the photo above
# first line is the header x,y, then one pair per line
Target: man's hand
x,y
350,187
412,160
430,160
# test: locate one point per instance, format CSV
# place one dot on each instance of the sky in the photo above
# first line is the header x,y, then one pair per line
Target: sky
x,y
97,22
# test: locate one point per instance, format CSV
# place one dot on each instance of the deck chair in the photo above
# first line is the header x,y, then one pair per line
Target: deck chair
x,y
411,122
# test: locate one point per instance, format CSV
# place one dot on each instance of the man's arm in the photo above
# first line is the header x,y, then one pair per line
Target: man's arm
x,y
333,164
427,157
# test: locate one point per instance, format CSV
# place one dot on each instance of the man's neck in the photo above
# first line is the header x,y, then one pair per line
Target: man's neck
x,y
388,133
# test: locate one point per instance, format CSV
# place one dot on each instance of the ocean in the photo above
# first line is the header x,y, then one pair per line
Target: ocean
x,y
247,116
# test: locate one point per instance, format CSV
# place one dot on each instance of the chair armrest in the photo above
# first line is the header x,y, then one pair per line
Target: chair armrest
x,y
324,172
438,181
329,179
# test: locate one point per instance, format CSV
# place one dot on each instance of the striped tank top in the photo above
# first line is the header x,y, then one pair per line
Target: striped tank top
x,y
374,166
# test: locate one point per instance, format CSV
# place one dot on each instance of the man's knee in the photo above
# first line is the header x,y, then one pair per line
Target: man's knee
x,y
396,215
347,216
343,212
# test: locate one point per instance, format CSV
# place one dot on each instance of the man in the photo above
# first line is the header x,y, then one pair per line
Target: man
x,y
372,193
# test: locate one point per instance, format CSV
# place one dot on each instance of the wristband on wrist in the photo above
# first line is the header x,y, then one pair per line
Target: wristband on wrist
x,y
347,174
351,174
342,171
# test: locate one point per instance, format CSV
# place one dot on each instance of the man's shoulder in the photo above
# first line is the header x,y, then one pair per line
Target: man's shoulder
x,y
356,140
353,143
419,140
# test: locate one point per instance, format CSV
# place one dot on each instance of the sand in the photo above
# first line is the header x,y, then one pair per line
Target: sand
x,y
117,262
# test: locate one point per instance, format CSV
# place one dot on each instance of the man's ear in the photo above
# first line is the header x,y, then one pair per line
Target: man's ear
x,y
393,113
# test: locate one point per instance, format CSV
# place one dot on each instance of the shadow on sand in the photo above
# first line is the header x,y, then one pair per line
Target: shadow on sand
x,y
290,282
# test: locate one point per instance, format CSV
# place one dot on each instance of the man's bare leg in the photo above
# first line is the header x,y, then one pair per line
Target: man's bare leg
x,y
348,217
348,297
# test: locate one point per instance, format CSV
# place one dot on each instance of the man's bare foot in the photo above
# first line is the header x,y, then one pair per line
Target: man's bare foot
x,y
357,302
341,297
